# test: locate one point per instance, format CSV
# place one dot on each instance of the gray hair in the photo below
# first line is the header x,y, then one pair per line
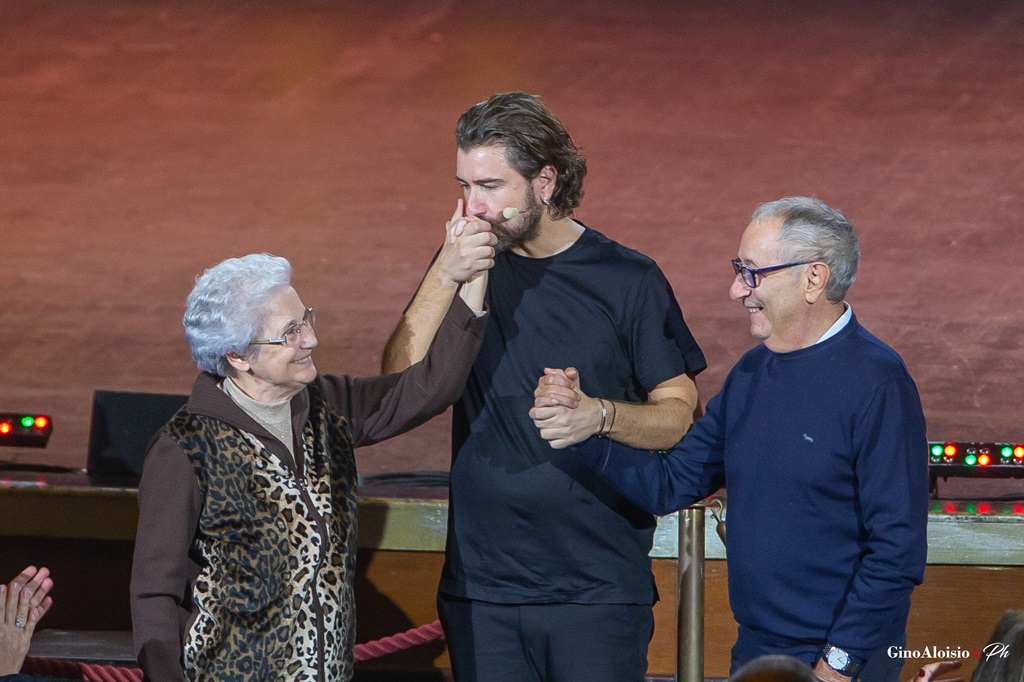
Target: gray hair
x,y
813,230
226,309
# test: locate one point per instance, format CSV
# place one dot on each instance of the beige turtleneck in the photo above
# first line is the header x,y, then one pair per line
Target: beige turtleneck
x,y
274,417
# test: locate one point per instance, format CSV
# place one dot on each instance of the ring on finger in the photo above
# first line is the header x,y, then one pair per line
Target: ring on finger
x,y
19,623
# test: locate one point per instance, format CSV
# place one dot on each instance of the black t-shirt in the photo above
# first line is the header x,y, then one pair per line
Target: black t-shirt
x,y
527,523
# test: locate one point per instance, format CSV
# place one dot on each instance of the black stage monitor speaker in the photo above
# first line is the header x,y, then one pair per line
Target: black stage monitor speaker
x,y
123,423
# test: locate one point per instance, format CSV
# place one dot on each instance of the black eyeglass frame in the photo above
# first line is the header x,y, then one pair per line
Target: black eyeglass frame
x,y
308,320
749,275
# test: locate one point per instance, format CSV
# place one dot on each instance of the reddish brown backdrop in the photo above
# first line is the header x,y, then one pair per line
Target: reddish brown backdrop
x,y
143,141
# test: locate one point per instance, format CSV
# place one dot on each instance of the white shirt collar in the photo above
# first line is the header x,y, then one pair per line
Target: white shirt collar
x,y
843,320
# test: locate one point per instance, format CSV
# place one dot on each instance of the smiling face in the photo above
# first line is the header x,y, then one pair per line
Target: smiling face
x,y
777,306
271,373
490,185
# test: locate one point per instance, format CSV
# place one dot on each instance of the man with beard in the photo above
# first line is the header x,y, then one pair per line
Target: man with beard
x,y
547,574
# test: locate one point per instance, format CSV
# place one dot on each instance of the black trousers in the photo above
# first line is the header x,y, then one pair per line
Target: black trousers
x,y
490,642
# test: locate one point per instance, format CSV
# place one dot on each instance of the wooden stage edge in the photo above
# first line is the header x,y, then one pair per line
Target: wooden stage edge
x,y
84,528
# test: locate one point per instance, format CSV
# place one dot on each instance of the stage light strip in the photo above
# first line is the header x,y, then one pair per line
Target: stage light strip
x,y
19,429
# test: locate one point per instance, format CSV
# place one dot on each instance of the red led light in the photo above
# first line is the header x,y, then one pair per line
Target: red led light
x,y
984,508
1018,508
41,422
1018,452
5,428
984,460
949,450
951,508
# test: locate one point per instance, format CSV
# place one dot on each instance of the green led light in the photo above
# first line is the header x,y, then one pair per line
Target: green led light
x,y
937,450
970,460
27,422
1006,452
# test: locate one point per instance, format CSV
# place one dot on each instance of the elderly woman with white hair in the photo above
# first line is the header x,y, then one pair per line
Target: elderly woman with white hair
x,y
246,543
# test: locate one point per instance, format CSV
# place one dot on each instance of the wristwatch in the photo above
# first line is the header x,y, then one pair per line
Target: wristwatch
x,y
840,661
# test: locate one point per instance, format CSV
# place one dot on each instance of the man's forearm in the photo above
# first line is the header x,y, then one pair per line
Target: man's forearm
x,y
462,261
384,406
412,337
649,426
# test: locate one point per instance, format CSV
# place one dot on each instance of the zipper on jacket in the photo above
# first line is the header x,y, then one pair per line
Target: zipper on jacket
x,y
321,527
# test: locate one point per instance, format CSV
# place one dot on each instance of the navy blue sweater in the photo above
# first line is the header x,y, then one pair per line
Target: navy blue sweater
x,y
824,454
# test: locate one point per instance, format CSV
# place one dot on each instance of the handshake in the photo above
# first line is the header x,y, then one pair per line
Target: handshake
x,y
564,414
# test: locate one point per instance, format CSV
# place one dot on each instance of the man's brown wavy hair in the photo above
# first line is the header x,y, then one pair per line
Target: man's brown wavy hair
x,y
532,138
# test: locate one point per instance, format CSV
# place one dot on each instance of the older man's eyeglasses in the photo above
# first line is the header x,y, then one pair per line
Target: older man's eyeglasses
x,y
750,275
293,335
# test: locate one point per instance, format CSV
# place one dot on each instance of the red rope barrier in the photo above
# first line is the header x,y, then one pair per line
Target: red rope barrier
x,y
424,634
93,672
109,673
51,666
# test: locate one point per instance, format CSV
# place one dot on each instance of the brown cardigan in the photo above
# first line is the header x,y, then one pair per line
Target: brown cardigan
x,y
170,501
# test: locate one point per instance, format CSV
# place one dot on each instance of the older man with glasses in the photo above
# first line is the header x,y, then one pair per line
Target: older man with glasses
x,y
245,551
819,435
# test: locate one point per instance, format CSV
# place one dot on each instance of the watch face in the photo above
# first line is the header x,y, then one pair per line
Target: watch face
x,y
838,659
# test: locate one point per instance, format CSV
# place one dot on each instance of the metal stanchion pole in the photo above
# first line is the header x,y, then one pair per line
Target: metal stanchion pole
x,y
690,596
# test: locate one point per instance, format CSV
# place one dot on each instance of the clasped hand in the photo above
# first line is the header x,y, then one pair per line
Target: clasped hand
x,y
468,247
561,411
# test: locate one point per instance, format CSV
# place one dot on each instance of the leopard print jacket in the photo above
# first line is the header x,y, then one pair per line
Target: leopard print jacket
x,y
274,597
